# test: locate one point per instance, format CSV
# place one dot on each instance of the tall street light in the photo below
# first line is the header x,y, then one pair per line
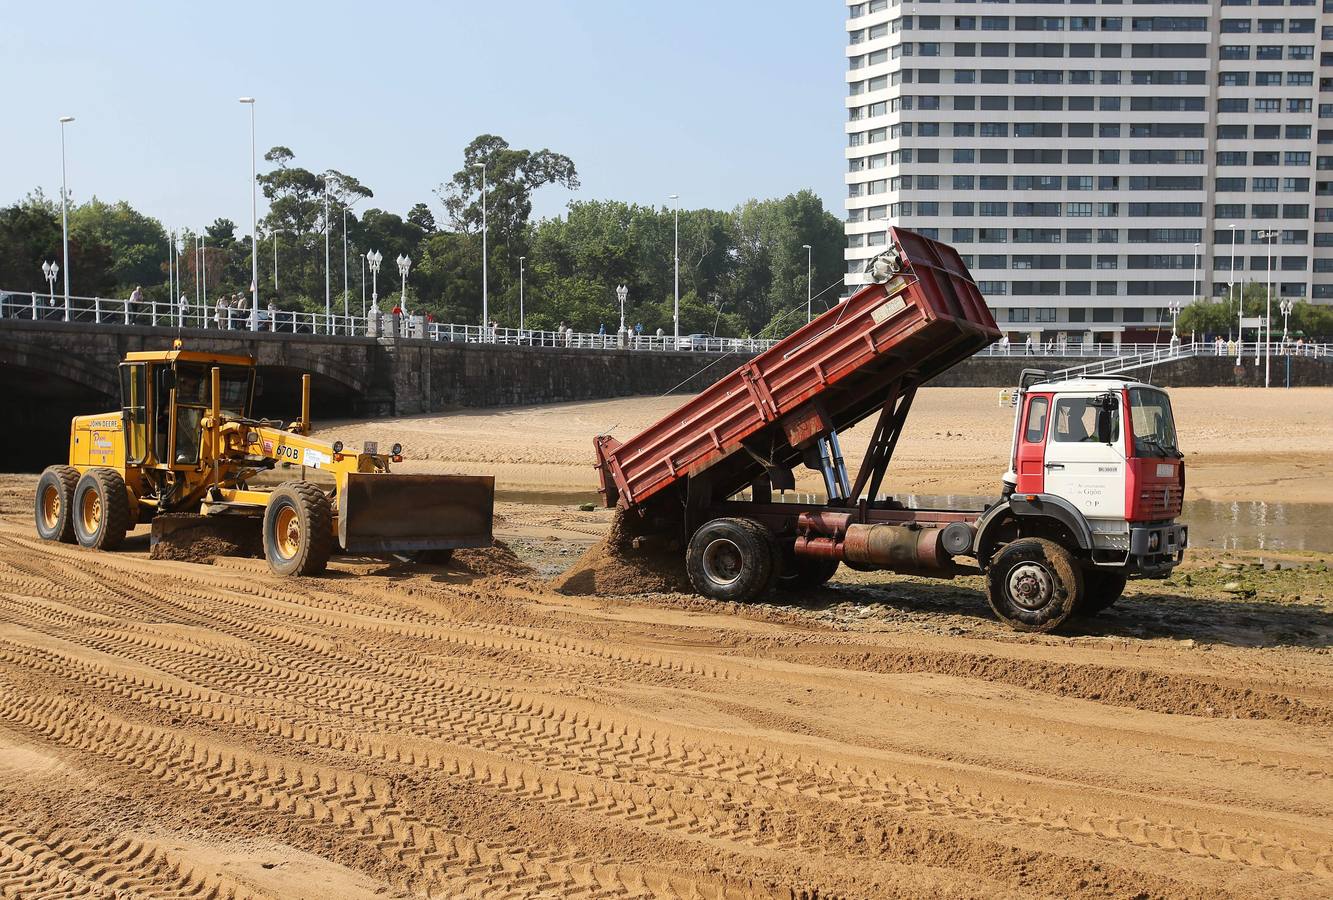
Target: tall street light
x,y
1195,295
485,295
809,281
522,260
374,258
64,210
1240,299
254,223
328,302
1268,236
622,292
676,256
346,313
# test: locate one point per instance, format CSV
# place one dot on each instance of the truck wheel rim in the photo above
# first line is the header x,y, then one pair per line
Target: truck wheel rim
x,y
1031,585
722,561
92,512
50,506
287,532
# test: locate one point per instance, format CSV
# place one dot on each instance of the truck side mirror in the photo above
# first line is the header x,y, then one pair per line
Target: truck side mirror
x,y
1106,410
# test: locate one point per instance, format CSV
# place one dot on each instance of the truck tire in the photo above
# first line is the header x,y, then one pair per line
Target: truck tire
x,y
298,530
101,510
1034,584
732,559
801,573
54,502
1101,589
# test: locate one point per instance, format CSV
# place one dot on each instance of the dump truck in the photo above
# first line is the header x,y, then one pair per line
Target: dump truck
x,y
185,454
1094,486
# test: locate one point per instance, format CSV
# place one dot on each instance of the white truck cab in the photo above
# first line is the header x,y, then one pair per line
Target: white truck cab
x,y
1095,474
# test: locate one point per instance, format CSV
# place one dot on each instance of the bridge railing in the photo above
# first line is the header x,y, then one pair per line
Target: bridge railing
x,y
111,311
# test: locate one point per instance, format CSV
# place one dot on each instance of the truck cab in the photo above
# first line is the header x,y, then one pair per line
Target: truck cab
x,y
1101,455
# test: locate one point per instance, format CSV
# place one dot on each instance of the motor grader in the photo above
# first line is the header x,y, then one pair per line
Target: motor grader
x,y
185,454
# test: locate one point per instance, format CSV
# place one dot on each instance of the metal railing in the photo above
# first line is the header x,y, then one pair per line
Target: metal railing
x,y
1248,353
106,311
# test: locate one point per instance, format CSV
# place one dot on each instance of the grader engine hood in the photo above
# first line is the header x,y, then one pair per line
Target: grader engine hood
x,y
388,513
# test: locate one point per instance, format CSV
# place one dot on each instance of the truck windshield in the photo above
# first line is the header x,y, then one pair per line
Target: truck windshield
x,y
1154,426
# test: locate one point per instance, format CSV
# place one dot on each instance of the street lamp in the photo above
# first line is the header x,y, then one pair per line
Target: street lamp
x,y
485,291
1285,307
1174,308
1240,299
1268,236
374,258
328,303
621,293
676,308
404,263
274,236
809,281
346,313
64,209
1194,291
254,223
49,271
521,266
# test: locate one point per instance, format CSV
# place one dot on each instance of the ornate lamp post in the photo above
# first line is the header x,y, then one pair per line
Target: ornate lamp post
x,y
1285,307
404,263
373,259
49,271
1174,308
622,292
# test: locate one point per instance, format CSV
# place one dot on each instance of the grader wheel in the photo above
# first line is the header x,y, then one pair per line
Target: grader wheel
x,y
54,503
101,510
298,530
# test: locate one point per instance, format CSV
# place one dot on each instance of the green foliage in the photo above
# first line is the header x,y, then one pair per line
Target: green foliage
x,y
29,236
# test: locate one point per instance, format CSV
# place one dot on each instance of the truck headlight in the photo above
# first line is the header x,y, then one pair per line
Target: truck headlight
x,y
1154,541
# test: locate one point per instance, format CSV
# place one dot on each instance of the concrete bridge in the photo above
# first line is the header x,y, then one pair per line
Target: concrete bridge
x,y
52,370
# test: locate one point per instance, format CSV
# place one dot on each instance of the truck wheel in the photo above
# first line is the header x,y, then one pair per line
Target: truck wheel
x,y
55,500
298,530
1101,589
803,573
1034,584
101,509
732,559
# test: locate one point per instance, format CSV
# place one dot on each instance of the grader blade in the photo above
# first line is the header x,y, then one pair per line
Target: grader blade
x,y
190,537
390,513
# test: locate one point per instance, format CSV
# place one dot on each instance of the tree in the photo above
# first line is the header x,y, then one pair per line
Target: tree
x,y
29,236
511,177
134,245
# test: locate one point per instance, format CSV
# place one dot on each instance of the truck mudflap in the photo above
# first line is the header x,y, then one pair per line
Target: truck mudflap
x,y
391,513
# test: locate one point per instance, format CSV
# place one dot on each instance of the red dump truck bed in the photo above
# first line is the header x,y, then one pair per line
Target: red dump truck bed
x,y
845,365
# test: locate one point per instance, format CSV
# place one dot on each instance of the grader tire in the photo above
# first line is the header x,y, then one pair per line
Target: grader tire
x,y
101,510
55,502
298,530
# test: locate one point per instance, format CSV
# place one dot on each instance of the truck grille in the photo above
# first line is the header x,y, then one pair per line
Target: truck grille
x,y
1160,501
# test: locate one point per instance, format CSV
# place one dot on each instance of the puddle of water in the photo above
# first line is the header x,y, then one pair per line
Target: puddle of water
x,y
1253,525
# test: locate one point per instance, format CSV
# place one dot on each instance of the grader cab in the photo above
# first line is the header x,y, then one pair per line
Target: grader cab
x,y
185,453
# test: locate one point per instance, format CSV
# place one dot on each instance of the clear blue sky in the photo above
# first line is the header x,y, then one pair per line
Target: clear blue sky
x,y
718,101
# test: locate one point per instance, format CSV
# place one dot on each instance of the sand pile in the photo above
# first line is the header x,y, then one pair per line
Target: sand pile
x,y
497,559
616,568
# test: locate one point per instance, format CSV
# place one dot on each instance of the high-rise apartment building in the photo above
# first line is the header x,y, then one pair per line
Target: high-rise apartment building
x,y
1094,162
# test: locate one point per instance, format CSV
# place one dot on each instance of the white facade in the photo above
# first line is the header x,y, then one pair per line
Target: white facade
x,y
1090,160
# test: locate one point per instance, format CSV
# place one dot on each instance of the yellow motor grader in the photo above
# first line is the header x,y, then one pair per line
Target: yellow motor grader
x,y
183,451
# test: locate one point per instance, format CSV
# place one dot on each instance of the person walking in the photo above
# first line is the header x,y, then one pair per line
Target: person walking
x,y
184,310
135,302
1027,348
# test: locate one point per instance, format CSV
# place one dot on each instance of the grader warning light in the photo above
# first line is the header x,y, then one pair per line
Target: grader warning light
x,y
185,453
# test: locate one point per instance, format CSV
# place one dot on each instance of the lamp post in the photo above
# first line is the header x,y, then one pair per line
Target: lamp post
x,y
171,277
485,291
274,236
404,263
1285,307
1174,308
49,271
522,260
1194,291
254,222
1240,299
346,313
64,210
675,316
622,292
328,301
809,281
1268,236
374,258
